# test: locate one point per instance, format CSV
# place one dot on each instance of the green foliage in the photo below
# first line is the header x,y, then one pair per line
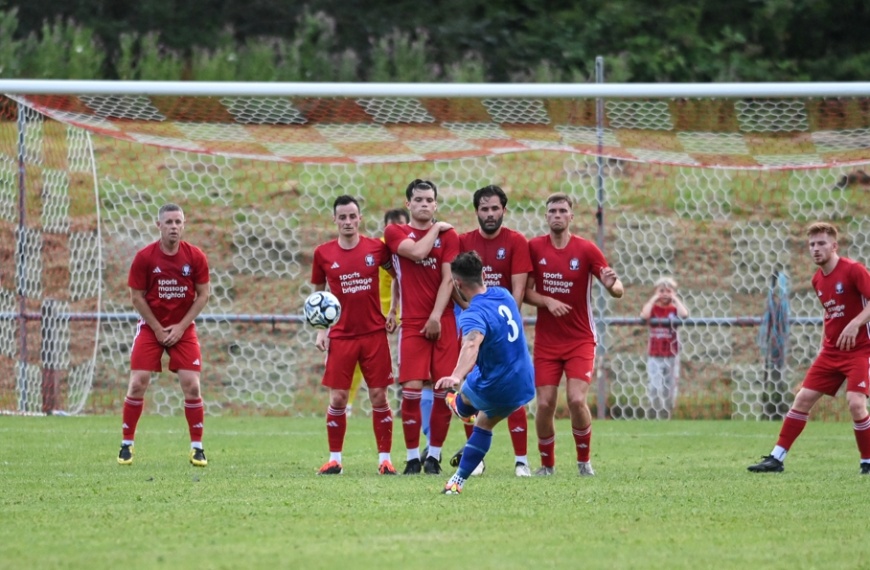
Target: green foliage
x,y
668,494
86,56
157,62
347,66
125,60
10,47
314,43
62,50
470,69
217,64
532,40
257,60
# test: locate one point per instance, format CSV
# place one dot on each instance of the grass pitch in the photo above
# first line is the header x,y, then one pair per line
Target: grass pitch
x,y
667,495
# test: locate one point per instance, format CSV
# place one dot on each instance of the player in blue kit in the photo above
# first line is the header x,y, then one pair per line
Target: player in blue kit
x,y
494,340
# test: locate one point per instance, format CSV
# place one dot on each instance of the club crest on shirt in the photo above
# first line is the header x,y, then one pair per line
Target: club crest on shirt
x,y
501,253
185,270
370,260
820,293
437,242
574,264
838,288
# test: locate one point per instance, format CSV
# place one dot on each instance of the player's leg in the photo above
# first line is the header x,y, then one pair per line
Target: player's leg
x,y
377,367
518,427
336,429
857,392
463,408
134,403
185,359
194,413
578,371
145,356
476,449
577,391
545,423
469,427
415,353
427,400
354,388
341,359
445,353
794,423
822,378
861,425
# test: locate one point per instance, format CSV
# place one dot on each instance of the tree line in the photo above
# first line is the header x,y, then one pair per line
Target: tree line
x,y
441,40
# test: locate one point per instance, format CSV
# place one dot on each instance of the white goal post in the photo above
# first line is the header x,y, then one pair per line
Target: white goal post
x,y
709,183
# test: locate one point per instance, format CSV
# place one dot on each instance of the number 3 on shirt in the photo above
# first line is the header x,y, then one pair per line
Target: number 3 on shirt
x,y
506,313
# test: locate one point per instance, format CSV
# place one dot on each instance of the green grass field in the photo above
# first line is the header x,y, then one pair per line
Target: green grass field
x,y
667,495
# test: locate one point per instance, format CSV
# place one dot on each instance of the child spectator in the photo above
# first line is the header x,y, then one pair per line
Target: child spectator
x,y
663,363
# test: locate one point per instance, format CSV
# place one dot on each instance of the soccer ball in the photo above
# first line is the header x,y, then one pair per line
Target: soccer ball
x,y
322,309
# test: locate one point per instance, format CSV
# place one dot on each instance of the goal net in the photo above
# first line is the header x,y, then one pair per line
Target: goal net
x,y
713,190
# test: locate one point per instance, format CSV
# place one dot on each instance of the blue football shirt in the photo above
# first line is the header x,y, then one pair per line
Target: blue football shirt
x,y
506,375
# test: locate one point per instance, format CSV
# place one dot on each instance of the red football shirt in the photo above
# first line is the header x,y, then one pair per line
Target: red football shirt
x,y
169,281
566,275
843,293
419,280
352,276
504,255
663,341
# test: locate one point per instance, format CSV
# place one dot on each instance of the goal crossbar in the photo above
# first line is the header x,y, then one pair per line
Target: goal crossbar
x,y
327,89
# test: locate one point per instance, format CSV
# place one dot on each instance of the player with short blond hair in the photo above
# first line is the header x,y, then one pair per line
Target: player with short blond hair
x,y
169,287
843,288
560,286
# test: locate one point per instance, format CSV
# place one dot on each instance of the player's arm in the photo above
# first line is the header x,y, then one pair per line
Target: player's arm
x,y
556,307
392,313
321,341
432,328
467,359
850,331
137,297
518,287
611,282
419,250
861,279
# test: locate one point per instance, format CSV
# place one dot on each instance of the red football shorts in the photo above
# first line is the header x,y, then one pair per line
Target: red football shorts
x,y
424,359
371,351
147,353
577,361
831,368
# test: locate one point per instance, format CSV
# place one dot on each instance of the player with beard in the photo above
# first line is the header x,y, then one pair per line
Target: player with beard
x,y
506,263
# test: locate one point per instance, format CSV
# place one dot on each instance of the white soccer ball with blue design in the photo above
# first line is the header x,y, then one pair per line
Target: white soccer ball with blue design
x,y
322,309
